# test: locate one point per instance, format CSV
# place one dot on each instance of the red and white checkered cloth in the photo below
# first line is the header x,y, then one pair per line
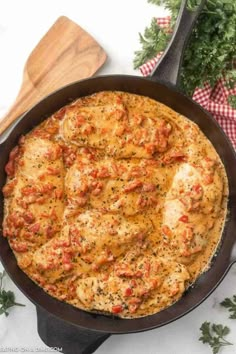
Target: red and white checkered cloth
x,y
214,100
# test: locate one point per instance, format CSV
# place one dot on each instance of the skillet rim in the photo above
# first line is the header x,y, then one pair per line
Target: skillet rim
x,y
110,324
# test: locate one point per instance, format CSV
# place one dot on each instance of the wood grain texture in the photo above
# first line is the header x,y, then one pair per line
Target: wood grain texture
x,y
65,54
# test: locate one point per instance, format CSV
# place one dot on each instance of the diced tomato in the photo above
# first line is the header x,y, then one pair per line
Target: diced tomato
x,y
34,228
174,290
184,218
154,283
187,252
21,140
14,153
22,203
50,231
16,219
196,249
208,179
7,232
88,129
133,283
53,215
138,274
28,236
53,153
40,200
197,188
58,193
162,143
117,308
51,287
120,130
53,171
80,120
97,188
166,230
112,231
138,119
8,188
47,188
118,100
128,292
19,246
76,240
138,171
104,130
39,279
81,201
150,148
140,137
187,235
60,114
28,190
42,177
69,155
61,243
142,202
94,173
123,270
165,129
209,163
115,169
119,113
147,267
173,156
68,266
103,259
149,187
133,308
103,173
140,235
10,168
131,186
40,133
135,301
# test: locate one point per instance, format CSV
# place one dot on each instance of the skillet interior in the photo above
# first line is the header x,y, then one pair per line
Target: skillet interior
x,y
177,101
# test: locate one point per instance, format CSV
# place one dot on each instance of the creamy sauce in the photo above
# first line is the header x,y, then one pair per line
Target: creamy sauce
x,y
115,204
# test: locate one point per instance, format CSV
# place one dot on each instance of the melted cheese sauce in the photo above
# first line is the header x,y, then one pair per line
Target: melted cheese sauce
x,y
115,204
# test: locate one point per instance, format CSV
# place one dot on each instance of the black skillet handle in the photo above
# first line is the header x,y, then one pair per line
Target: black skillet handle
x,y
65,337
168,67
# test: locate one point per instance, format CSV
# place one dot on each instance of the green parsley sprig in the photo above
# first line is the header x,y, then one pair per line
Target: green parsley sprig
x,y
7,298
230,304
213,334
211,51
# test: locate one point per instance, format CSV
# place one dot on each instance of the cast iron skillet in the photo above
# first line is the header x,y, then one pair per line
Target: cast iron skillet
x,y
77,331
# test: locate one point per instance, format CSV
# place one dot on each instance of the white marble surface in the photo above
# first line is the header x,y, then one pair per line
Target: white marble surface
x,y
115,24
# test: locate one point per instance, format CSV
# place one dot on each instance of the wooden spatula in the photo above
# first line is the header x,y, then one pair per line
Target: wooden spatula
x,y
65,54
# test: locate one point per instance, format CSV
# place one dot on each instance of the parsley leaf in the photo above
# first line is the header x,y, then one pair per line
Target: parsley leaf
x,y
213,334
153,41
228,303
7,298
